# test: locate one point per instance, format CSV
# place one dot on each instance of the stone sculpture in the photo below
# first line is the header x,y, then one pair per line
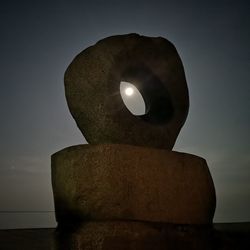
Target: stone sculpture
x,y
92,86
127,180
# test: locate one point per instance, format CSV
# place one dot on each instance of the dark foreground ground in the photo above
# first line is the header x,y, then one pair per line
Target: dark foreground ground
x,y
226,236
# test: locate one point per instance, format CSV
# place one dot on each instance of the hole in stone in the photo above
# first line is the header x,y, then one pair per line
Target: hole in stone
x,y
132,98
157,104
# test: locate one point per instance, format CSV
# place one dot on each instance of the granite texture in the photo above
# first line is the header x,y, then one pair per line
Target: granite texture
x,y
112,181
92,88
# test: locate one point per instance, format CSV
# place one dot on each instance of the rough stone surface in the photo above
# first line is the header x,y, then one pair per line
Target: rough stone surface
x,y
108,182
127,235
92,87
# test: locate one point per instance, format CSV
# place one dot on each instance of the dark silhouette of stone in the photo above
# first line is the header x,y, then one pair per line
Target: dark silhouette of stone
x,y
92,86
122,182
119,191
132,235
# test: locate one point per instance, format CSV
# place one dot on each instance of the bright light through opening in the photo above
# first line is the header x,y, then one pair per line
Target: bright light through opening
x,y
129,91
132,98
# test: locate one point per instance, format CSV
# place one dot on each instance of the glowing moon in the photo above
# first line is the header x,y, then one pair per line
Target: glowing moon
x,y
132,98
129,91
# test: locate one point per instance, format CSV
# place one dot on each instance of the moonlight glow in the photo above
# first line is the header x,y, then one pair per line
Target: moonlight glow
x,y
129,91
132,98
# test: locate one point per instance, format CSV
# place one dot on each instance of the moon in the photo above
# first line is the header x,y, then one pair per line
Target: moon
x,y
129,91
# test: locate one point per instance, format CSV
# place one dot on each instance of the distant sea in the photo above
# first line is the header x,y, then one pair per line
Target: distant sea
x,y
27,219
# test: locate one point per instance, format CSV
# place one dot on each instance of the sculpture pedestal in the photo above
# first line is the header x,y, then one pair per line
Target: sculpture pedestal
x,y
123,182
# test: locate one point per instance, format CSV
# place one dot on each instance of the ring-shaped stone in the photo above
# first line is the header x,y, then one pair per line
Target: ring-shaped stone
x,y
92,87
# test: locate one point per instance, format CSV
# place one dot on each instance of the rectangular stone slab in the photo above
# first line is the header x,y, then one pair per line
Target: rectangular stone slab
x,y
112,181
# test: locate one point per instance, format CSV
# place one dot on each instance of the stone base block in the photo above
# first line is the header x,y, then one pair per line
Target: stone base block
x,y
123,182
124,235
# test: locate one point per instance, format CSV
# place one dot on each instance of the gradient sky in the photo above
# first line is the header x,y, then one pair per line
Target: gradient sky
x,y
40,38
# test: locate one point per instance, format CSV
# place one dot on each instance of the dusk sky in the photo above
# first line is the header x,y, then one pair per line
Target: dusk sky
x,y
40,38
